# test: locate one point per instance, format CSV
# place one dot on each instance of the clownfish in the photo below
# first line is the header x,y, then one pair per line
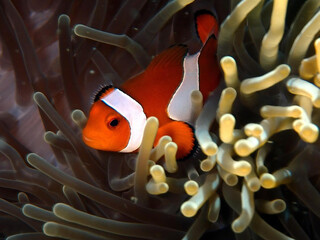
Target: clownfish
x,y
118,115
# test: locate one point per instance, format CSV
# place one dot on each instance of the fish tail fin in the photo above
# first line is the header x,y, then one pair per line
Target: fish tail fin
x,y
206,25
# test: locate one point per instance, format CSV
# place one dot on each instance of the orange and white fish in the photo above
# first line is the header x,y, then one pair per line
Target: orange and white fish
x,y
118,115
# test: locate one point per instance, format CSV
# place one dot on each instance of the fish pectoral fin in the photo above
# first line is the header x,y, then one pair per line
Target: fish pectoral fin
x,y
182,134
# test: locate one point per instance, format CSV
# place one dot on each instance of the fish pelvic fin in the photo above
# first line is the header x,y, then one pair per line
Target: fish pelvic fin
x,y
182,134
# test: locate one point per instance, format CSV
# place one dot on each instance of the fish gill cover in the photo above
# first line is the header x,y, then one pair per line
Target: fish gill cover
x,y
260,174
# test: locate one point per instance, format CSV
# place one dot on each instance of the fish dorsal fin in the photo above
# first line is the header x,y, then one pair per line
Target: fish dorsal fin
x,y
102,92
170,57
155,86
206,25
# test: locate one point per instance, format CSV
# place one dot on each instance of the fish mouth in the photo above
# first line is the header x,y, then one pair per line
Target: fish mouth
x,y
86,139
92,143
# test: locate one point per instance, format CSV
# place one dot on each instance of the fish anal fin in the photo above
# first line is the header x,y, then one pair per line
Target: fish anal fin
x,y
182,134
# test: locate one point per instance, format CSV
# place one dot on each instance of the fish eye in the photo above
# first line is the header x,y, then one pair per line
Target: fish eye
x,y
113,123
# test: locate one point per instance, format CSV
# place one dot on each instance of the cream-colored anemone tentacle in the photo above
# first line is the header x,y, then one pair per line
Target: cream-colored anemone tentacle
x,y
229,178
226,128
70,230
269,50
119,40
157,184
142,169
58,141
229,67
231,24
308,67
304,88
54,229
255,26
252,180
83,153
316,78
253,130
227,98
270,207
130,229
106,198
244,58
260,159
158,174
191,187
214,208
307,131
23,198
170,157
205,120
79,118
225,161
257,224
196,105
247,210
158,151
252,85
208,164
306,12
293,111
244,147
302,42
160,19
199,226
190,207
155,188
281,176
73,198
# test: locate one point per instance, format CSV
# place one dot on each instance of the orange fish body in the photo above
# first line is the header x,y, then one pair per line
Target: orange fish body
x,y
117,117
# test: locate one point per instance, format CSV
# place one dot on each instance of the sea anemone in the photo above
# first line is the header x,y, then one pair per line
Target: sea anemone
x,y
257,175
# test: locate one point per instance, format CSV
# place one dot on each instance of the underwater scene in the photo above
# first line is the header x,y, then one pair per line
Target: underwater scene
x,y
159,119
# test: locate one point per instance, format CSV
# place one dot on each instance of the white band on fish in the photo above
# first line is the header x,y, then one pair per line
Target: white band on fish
x,y
130,110
179,107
